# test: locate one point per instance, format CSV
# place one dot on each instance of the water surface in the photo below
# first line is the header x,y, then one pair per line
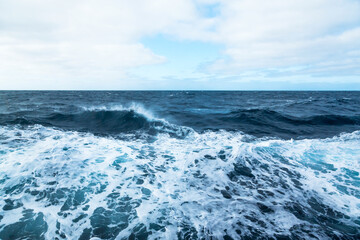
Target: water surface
x,y
179,165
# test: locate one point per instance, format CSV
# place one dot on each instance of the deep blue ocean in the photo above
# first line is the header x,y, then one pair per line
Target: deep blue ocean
x,y
179,165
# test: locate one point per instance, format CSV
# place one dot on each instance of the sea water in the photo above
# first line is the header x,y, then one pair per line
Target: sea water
x,y
179,165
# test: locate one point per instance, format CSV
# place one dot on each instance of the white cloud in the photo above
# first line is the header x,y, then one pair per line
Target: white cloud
x,y
93,43
261,35
42,42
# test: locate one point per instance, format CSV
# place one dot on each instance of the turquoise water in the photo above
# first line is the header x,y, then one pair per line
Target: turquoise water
x,y
163,180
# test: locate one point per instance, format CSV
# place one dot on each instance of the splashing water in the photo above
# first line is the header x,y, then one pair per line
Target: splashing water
x,y
215,184
111,171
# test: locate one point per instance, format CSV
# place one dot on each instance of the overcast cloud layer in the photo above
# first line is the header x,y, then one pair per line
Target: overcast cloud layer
x,y
47,44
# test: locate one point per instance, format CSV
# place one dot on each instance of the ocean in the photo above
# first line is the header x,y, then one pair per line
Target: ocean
x,y
179,165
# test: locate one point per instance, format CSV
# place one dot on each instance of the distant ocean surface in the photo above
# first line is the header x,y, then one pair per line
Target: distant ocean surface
x,y
179,165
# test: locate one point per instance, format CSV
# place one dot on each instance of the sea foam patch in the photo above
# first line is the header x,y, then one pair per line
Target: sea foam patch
x,y
66,184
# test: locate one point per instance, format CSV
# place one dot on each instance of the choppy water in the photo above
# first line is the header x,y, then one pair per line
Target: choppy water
x,y
179,165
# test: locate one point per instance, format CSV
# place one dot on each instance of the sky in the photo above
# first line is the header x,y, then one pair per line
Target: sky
x,y
180,45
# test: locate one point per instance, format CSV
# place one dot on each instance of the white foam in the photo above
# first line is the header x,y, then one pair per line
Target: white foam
x,y
136,107
182,178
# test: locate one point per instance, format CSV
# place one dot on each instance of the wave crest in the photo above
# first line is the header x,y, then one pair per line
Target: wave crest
x,y
264,116
105,120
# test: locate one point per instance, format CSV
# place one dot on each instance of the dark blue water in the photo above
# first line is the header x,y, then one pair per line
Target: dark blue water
x,y
179,165
275,114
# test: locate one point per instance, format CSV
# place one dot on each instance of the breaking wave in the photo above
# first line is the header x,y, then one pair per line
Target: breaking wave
x,y
102,120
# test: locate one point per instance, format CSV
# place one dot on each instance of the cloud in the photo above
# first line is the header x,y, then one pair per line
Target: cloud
x,y
83,44
318,35
46,41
